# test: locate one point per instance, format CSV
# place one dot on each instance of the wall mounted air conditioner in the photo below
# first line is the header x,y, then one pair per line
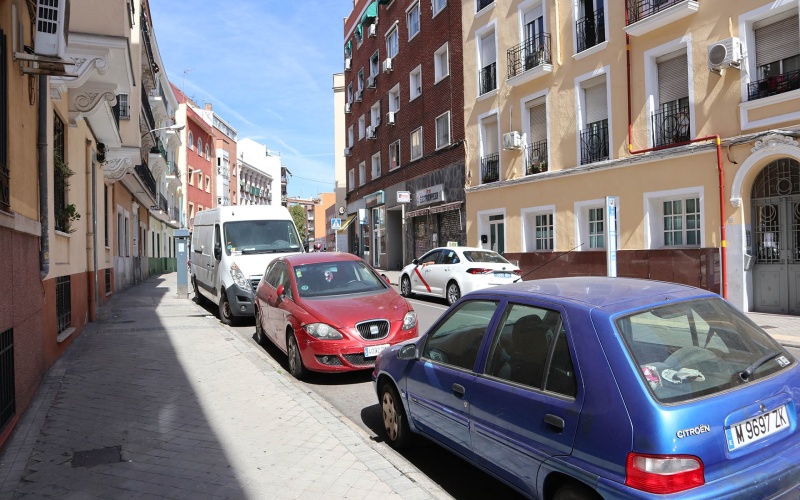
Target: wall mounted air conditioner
x,y
359,93
347,107
387,65
390,118
52,28
372,31
512,140
726,52
347,152
370,132
348,62
371,82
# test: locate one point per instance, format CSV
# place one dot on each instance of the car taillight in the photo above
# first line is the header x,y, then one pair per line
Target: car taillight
x,y
663,473
479,270
517,273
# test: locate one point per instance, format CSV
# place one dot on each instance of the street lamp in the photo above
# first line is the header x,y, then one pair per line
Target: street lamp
x,y
174,128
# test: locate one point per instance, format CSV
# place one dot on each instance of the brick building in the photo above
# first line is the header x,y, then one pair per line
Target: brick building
x,y
404,128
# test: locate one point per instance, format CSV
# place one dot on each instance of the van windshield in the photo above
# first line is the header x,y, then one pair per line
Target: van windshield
x,y
261,236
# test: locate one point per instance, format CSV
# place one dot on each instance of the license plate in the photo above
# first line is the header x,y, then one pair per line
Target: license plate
x,y
757,428
374,350
502,275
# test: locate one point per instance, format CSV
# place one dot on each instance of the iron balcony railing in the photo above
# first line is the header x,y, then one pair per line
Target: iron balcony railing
x,y
482,4
594,142
591,30
490,168
529,54
174,213
773,85
148,112
535,157
162,203
671,126
488,78
642,9
146,176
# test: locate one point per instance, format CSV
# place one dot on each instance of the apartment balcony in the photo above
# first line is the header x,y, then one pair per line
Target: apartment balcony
x,y
534,156
594,142
671,126
148,112
530,54
490,168
174,213
488,78
773,85
591,30
645,16
146,177
158,101
162,203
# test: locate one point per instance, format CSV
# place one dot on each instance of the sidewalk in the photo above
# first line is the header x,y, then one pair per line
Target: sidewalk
x,y
158,400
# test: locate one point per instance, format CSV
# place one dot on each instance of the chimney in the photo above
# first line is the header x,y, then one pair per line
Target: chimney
x,y
207,106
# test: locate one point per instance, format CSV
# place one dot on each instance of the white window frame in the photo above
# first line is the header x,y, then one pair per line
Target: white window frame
x,y
440,72
576,6
350,137
488,8
362,173
414,89
482,135
582,223
393,34
528,218
394,98
580,109
481,33
191,139
376,165
395,144
375,114
375,63
651,82
526,122
360,80
351,179
653,215
440,7
350,92
362,127
412,7
421,144
449,130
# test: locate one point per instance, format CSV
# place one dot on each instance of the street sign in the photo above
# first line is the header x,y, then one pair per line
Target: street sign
x,y
404,197
336,223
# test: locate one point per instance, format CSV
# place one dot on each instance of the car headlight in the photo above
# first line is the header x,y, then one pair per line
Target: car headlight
x,y
323,331
239,279
410,320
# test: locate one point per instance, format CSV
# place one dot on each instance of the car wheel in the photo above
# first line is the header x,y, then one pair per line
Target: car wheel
x,y
395,423
296,366
574,491
405,286
453,293
225,312
260,337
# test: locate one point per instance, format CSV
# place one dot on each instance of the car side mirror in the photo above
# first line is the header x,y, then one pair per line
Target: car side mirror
x,y
408,351
415,261
281,292
386,279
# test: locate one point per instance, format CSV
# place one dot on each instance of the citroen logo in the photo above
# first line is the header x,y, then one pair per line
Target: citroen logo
x,y
762,407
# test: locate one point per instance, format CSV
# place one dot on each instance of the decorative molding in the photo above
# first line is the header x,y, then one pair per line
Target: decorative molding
x,y
773,141
88,101
115,168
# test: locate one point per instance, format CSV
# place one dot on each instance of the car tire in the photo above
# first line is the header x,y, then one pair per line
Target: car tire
x,y
225,311
260,337
395,422
575,491
453,293
296,366
405,286
198,298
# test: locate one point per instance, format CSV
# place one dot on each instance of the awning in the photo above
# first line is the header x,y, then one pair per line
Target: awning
x,y
347,223
417,213
370,14
446,207
384,2
348,48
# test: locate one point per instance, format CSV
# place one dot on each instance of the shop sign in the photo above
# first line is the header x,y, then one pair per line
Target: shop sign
x,y
433,194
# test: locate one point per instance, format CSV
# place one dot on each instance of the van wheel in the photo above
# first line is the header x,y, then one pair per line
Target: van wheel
x,y
225,312
197,297
296,366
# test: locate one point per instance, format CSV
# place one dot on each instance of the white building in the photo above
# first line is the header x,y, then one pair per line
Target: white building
x,y
259,172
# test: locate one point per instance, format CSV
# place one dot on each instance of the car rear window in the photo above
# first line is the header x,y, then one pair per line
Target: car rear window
x,y
484,256
691,349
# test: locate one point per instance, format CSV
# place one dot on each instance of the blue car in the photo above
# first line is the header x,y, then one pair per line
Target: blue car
x,y
592,387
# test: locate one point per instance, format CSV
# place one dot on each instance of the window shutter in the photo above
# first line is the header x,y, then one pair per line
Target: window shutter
x,y
538,123
488,55
673,79
777,41
596,105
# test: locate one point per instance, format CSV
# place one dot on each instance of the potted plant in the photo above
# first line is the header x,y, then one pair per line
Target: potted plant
x,y
67,214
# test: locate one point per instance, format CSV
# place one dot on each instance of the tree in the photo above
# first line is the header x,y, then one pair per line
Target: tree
x,y
299,215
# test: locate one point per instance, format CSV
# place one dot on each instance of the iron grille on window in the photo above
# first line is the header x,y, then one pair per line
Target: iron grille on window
x,y
488,78
63,303
773,85
482,4
108,280
535,157
529,54
591,30
594,142
8,406
641,9
59,177
490,168
671,124
5,181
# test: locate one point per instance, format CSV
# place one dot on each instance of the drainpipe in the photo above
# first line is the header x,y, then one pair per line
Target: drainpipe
x,y
94,233
720,171
41,146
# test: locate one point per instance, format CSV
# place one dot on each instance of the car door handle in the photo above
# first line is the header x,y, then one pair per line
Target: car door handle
x,y
459,390
554,421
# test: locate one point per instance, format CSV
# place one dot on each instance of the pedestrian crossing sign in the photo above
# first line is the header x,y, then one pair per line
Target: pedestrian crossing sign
x,y
336,223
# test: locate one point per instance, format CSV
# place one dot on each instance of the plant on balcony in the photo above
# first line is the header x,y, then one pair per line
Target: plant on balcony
x,y
67,214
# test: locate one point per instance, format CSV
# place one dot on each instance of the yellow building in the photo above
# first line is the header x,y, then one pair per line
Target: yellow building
x,y
684,114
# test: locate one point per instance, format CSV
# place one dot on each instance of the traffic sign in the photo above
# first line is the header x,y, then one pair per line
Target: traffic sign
x,y
336,223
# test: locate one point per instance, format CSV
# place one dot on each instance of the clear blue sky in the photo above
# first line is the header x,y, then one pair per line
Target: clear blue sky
x,y
267,68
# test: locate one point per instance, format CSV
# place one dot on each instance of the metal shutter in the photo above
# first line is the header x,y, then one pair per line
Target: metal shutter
x,y
596,105
673,79
538,123
777,41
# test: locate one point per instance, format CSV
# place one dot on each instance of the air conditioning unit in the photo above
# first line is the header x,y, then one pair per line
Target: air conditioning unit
x,y
726,52
372,31
512,140
370,132
390,118
52,28
347,107
387,65
358,95
347,152
348,62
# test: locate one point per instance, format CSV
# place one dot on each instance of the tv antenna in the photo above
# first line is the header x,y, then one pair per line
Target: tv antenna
x,y
183,85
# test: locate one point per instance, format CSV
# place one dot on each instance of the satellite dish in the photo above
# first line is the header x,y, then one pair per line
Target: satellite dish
x,y
341,210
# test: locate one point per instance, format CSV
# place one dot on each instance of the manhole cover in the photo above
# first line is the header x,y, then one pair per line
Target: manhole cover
x,y
97,457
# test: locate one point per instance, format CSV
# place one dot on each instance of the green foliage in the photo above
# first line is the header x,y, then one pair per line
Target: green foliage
x,y
69,214
299,215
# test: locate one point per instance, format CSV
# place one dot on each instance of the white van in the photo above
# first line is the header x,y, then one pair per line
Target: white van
x,y
231,247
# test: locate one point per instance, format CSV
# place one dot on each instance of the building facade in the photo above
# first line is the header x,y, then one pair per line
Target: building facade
x,y
259,173
404,129
225,153
686,124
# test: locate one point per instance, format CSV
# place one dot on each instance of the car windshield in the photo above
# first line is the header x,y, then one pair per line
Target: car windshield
x,y
485,256
261,236
336,278
695,348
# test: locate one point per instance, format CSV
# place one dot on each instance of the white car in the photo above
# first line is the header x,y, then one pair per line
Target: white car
x,y
450,272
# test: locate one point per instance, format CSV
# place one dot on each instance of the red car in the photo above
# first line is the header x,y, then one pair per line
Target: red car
x,y
330,312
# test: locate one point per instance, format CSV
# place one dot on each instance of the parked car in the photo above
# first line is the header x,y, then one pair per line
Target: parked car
x,y
601,387
449,272
330,312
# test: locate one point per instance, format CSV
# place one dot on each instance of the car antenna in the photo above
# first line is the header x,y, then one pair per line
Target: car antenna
x,y
549,261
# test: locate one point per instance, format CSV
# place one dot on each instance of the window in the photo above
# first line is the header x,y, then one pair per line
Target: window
x,y
543,232
394,154
376,165
191,141
375,114
777,56
360,80
487,51
200,146
457,339
190,176
441,63
350,137
351,179
63,303
415,83
443,130
105,211
60,176
489,149
392,43
191,210
362,173
482,4
124,106
671,118
438,5
594,135
208,154
394,99
350,92
412,20
535,152
416,144
375,64
362,127
199,180
596,229
681,222
208,184
590,27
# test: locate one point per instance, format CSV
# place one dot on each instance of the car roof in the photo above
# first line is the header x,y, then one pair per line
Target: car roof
x,y
464,249
299,259
613,294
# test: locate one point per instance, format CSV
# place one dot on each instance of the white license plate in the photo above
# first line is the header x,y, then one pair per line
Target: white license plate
x,y
502,275
757,428
374,350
